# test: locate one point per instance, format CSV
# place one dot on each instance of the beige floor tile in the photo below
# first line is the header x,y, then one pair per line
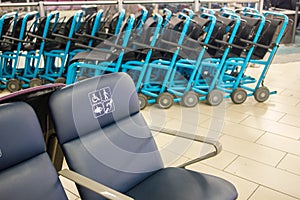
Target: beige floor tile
x,y
281,143
265,175
273,127
283,83
262,112
221,160
280,107
290,163
291,120
187,148
215,124
162,139
209,133
245,188
186,124
285,99
155,119
242,131
226,114
251,150
263,193
290,93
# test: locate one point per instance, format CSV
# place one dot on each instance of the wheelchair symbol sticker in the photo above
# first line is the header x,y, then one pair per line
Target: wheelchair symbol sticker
x,y
102,102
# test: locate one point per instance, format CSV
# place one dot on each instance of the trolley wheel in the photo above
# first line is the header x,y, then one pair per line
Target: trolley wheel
x,y
35,82
60,80
261,94
190,99
13,85
143,101
165,100
214,97
238,96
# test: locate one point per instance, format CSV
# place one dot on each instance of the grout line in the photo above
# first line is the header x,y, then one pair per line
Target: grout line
x,y
258,186
285,114
264,133
237,156
276,166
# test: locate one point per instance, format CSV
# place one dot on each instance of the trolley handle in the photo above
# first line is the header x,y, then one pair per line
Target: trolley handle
x,y
222,42
258,45
45,39
90,36
151,47
64,37
95,48
176,45
15,39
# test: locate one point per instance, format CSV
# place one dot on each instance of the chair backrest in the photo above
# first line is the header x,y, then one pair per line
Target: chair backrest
x,y
102,132
26,171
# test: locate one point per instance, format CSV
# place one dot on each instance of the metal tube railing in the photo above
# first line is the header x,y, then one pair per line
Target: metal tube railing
x,y
120,3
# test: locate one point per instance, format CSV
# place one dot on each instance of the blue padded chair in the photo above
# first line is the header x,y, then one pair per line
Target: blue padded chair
x,y
26,171
105,137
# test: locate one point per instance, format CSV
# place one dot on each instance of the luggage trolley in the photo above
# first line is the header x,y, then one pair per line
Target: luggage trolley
x,y
264,51
34,49
12,47
183,75
143,45
111,58
57,50
158,71
218,47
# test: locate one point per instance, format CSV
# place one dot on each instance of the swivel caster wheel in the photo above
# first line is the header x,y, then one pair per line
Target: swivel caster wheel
x,y
35,82
13,85
143,101
214,97
60,80
238,96
190,99
165,100
261,94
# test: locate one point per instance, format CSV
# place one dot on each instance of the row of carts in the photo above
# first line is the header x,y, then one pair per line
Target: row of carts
x,y
183,57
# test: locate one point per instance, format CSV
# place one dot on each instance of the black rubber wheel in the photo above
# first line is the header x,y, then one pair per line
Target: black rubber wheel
x,y
261,94
214,97
238,96
143,101
13,85
190,99
35,82
165,100
60,80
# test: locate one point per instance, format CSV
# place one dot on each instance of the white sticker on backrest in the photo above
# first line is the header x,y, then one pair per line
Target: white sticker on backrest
x,y
0,153
102,102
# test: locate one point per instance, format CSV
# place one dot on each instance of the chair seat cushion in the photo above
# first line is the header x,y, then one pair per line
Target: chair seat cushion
x,y
179,184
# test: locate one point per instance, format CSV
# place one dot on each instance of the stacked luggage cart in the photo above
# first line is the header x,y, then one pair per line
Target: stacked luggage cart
x,y
183,57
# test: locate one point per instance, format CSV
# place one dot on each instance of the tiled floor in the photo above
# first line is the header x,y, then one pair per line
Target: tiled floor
x,y
261,141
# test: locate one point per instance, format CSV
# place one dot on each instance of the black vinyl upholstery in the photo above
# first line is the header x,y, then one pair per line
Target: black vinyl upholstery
x,y
26,171
108,140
